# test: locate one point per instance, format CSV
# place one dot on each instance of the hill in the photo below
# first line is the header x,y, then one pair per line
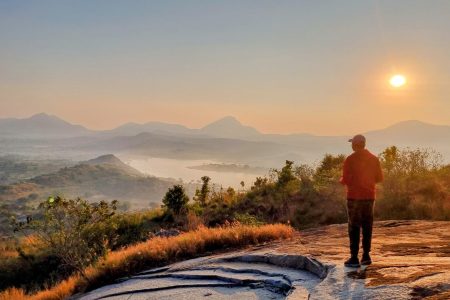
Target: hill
x,y
102,178
156,127
115,163
40,126
229,127
413,132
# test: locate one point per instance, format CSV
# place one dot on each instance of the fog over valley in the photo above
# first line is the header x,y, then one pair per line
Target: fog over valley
x,y
44,154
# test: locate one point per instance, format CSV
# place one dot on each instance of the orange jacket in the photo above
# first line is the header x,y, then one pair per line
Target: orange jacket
x,y
361,172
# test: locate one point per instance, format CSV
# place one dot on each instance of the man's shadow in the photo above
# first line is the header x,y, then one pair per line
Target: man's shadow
x,y
357,273
354,285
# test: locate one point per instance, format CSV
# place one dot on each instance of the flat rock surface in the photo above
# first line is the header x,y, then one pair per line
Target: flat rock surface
x,y
411,260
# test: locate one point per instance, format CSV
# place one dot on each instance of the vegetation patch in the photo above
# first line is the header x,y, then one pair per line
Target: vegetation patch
x,y
156,252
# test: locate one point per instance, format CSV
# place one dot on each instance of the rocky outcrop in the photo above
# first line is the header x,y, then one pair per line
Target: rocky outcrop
x,y
247,275
411,261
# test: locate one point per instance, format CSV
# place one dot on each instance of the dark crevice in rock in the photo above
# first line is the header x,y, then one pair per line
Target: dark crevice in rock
x,y
299,262
149,290
277,284
148,272
246,271
394,223
154,271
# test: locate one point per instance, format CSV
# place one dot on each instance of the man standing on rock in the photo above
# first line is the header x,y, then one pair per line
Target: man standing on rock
x,y
362,171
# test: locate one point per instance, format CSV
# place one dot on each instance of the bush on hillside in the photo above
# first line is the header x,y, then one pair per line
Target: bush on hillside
x,y
35,265
176,199
75,232
416,185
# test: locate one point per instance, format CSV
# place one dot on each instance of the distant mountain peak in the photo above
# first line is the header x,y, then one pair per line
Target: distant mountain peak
x,y
41,125
43,117
105,159
409,125
229,126
40,116
112,160
229,119
410,122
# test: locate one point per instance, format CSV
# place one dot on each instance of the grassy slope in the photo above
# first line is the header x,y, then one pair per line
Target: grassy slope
x,y
157,252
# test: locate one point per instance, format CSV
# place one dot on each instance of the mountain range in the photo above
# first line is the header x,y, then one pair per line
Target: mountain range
x,y
226,140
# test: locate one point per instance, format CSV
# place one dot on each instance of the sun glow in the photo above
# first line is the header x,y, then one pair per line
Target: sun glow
x,y
397,80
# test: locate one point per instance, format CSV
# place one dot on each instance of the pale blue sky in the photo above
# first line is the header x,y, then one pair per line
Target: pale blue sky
x,y
281,66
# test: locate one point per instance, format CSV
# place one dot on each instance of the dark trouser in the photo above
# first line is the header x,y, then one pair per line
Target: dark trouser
x,y
360,215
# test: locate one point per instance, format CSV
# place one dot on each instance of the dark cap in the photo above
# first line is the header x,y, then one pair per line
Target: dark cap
x,y
358,139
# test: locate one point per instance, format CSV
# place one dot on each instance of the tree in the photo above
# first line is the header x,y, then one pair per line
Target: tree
x,y
389,158
242,184
330,170
286,174
259,183
75,231
201,195
176,199
231,192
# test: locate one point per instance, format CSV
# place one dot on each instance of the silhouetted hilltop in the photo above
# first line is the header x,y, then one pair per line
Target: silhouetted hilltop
x,y
40,126
412,132
229,127
105,159
157,127
114,162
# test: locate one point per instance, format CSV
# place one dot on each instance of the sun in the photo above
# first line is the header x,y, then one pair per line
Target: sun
x,y
397,80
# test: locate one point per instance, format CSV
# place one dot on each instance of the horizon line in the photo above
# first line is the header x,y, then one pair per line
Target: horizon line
x,y
209,123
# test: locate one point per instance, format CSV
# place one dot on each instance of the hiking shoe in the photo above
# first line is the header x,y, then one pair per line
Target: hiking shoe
x,y
366,260
352,262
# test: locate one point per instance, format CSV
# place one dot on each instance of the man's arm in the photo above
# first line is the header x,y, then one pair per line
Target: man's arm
x,y
379,172
346,176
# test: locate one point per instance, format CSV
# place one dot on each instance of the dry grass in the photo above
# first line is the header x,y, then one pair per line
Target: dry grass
x,y
13,293
157,252
8,249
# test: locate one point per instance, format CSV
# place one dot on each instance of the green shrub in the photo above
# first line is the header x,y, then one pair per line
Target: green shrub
x,y
247,219
75,231
176,199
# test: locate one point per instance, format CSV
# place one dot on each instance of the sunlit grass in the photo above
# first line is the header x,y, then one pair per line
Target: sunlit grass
x,y
13,293
157,252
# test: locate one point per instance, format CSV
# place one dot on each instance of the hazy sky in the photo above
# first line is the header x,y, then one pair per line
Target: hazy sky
x,y
281,66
